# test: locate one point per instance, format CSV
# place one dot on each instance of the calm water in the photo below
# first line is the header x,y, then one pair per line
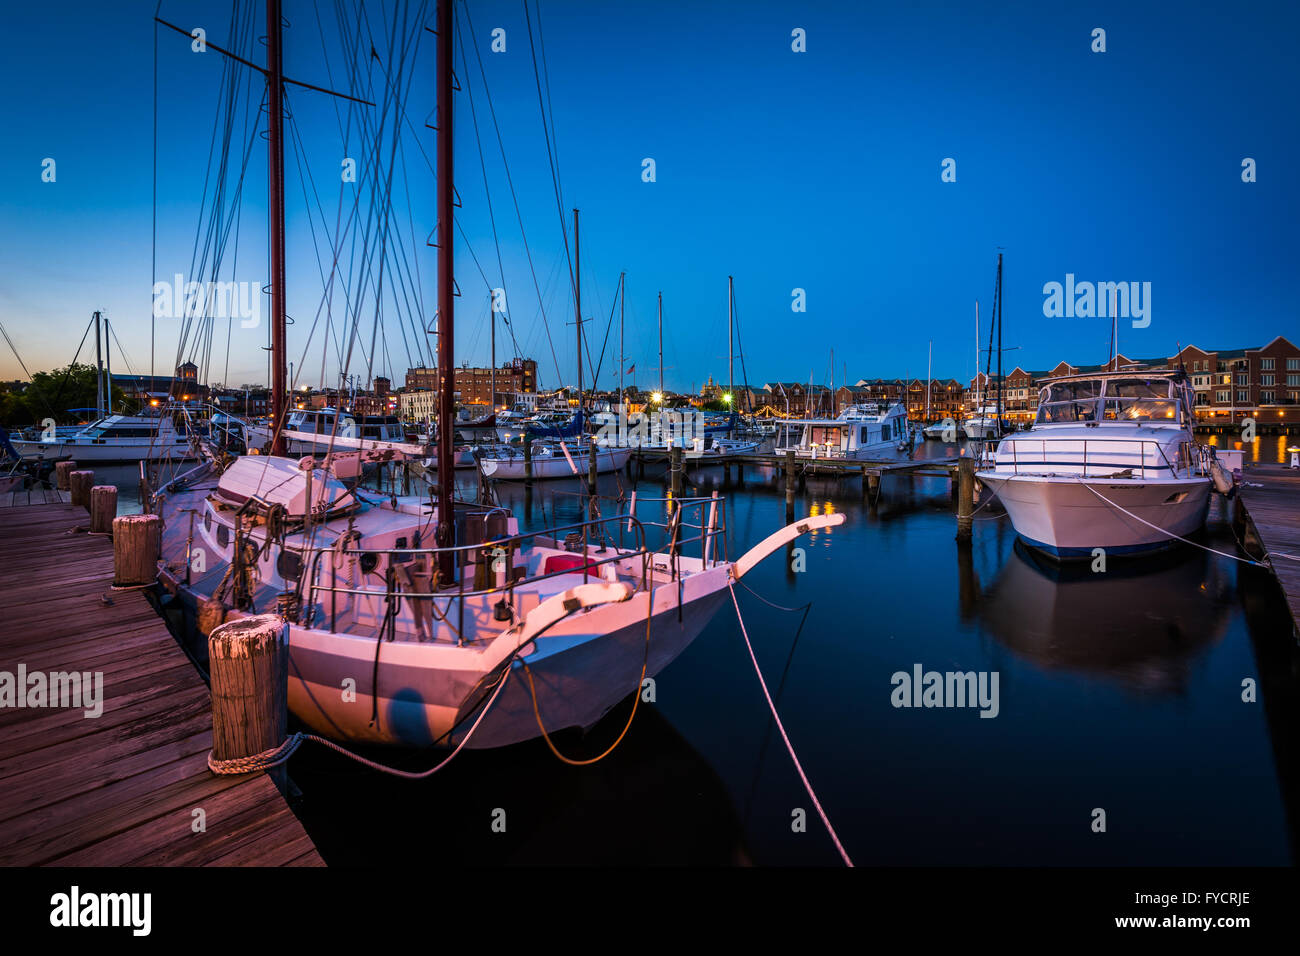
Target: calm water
x,y
1119,691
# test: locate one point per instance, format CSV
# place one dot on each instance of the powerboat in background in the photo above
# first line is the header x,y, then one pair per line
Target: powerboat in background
x,y
985,424
119,439
861,432
1110,462
550,459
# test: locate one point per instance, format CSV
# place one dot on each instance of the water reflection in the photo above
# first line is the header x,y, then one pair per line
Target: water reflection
x,y
1139,626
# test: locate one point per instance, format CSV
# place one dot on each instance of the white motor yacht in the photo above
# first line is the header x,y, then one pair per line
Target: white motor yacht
x,y
1110,462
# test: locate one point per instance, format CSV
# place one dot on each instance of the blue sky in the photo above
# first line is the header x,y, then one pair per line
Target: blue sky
x,y
817,170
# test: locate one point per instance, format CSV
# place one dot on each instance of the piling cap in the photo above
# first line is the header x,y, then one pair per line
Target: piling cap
x,y
246,636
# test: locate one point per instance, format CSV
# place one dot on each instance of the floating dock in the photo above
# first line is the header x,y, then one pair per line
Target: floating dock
x,y
130,787
1267,516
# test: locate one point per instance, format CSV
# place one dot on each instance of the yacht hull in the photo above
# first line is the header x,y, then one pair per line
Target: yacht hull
x,y
555,466
1062,516
85,452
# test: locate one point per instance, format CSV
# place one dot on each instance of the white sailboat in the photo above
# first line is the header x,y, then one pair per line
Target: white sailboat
x,y
408,617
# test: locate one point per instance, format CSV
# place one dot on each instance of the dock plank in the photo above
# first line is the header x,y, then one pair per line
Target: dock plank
x,y
1271,497
119,789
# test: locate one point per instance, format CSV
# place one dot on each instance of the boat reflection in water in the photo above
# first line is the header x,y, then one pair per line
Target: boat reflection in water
x,y
1132,625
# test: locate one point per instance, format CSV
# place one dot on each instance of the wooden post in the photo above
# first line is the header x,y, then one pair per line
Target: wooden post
x,y
248,662
528,460
79,483
135,549
103,508
726,474
591,468
675,471
61,471
789,478
965,496
873,483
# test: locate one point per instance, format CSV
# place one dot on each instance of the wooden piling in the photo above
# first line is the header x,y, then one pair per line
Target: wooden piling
x,y
965,496
675,471
591,468
103,508
528,460
61,471
789,478
79,483
135,550
248,663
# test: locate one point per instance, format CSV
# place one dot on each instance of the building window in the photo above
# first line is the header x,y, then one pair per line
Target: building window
x,y
1268,397
1293,379
1241,397
1241,380
1267,364
1293,364
1221,396
1266,380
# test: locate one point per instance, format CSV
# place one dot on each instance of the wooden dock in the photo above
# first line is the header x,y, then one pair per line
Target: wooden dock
x,y
1268,513
34,496
122,789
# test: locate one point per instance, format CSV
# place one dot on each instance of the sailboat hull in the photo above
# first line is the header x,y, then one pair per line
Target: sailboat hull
x,y
579,670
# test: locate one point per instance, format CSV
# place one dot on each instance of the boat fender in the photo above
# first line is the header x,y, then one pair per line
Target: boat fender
x,y
1222,482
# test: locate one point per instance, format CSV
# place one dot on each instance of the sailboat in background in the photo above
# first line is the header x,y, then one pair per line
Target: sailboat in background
x,y
439,611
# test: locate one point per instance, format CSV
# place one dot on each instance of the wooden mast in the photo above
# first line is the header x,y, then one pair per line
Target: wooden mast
x,y
275,200
444,534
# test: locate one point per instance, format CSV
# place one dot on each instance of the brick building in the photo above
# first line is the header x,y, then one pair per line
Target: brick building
x,y
474,385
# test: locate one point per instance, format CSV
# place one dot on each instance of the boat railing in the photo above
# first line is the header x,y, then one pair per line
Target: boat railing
x,y
1107,465
686,523
476,564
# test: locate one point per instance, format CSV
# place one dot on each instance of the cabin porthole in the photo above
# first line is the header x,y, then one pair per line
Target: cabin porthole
x,y
369,561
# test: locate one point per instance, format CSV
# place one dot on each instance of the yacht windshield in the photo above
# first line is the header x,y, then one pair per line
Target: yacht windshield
x,y
1139,400
1069,402
1113,400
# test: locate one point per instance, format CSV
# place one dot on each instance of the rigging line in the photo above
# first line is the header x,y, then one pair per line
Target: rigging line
x,y
546,76
555,182
595,374
153,275
514,196
367,262
482,161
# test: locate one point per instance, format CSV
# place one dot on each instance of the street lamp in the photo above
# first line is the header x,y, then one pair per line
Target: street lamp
x,y
727,398
657,397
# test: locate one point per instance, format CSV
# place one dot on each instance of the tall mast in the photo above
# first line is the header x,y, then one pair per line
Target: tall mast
x,y
622,356
979,400
99,374
108,368
929,356
731,376
661,345
492,375
444,533
577,302
275,200
999,320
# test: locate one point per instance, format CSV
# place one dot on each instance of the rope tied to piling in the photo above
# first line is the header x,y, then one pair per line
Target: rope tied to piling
x,y
278,755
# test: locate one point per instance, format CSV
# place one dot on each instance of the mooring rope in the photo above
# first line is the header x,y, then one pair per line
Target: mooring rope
x,y
781,727
1222,554
278,755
